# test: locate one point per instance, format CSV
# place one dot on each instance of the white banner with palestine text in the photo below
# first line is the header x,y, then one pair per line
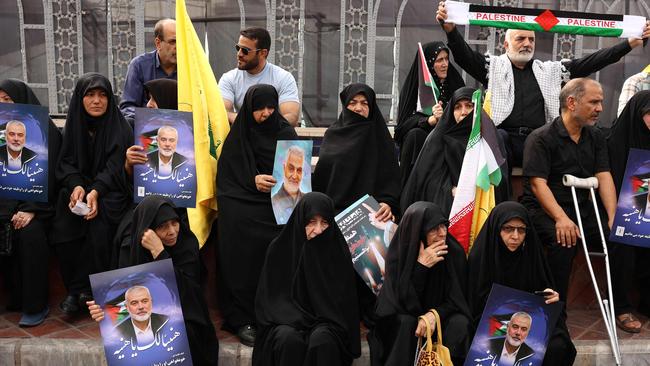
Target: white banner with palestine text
x,y
544,20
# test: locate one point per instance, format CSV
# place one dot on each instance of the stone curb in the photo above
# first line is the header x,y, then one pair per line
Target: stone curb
x,y
45,351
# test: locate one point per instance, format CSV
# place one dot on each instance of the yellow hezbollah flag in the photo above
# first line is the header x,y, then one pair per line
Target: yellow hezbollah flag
x,y
199,93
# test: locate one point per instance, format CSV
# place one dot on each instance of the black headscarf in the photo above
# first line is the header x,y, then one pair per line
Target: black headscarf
x,y
438,166
164,92
305,283
445,280
490,261
629,131
357,156
23,94
408,95
151,212
249,148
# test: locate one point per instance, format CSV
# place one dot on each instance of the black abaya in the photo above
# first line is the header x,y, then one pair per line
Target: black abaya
x,y
412,126
411,289
92,155
246,221
438,166
358,156
629,132
204,345
306,300
29,264
525,269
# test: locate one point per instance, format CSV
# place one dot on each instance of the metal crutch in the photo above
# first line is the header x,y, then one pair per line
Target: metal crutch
x,y
606,306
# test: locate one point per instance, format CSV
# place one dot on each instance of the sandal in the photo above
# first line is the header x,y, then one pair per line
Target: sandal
x,y
623,321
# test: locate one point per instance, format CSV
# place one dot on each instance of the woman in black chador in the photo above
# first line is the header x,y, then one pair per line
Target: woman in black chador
x,y
507,251
31,224
414,126
631,130
95,139
358,156
246,221
425,269
435,175
306,302
160,231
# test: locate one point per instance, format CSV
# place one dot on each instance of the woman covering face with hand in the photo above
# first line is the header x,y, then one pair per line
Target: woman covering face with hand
x,y
95,140
508,252
246,221
426,269
306,300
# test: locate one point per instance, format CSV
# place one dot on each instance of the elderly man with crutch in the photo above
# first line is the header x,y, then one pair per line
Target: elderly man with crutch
x,y
572,145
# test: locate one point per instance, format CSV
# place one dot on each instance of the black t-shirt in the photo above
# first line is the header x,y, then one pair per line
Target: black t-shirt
x,y
528,109
550,154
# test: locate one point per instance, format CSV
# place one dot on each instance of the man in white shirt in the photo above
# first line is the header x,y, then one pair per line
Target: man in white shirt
x,y
511,350
142,325
253,49
166,161
15,155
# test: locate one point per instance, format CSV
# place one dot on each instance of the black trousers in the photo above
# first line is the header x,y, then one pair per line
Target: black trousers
x,y
514,142
28,268
560,259
318,347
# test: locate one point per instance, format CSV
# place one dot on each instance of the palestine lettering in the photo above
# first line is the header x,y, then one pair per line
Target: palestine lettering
x,y
501,17
592,23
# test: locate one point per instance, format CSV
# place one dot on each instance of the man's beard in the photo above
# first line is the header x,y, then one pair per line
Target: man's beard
x,y
520,57
514,342
167,153
141,318
250,64
291,187
14,148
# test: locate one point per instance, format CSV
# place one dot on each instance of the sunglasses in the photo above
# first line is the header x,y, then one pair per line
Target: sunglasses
x,y
511,229
245,50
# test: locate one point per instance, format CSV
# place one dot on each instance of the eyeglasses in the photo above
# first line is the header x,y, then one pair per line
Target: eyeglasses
x,y
171,42
511,229
245,50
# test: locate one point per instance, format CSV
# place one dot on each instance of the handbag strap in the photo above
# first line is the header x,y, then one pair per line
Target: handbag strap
x,y
429,343
438,327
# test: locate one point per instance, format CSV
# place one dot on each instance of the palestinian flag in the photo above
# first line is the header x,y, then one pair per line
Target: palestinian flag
x,y
3,134
498,324
149,141
479,175
544,20
115,309
428,92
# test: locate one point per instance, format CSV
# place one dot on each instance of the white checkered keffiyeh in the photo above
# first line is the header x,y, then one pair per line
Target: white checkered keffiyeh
x,y
549,75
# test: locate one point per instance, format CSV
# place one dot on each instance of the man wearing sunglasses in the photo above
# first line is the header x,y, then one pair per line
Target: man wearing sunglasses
x,y
157,64
253,68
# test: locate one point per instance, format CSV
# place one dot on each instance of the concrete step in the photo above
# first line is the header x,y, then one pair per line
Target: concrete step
x,y
72,352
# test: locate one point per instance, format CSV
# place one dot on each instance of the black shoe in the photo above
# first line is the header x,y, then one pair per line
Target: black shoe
x,y
247,334
70,305
83,298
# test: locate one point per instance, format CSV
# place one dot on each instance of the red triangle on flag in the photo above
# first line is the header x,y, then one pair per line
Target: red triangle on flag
x,y
547,20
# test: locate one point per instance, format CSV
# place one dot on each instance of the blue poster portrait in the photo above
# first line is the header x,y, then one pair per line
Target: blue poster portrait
x,y
143,320
514,324
23,152
292,172
168,140
632,220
